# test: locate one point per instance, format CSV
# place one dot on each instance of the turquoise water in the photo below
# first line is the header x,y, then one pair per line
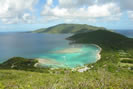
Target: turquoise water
x,y
45,46
86,54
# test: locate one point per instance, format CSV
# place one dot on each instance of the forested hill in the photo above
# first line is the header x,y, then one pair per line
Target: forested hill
x,y
103,38
69,28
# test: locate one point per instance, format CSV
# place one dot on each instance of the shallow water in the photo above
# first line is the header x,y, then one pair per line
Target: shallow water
x,y
36,45
86,55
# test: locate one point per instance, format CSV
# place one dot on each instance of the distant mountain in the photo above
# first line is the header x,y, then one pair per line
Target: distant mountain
x,y
69,28
104,38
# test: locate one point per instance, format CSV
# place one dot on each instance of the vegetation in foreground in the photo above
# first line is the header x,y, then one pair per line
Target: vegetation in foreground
x,y
106,74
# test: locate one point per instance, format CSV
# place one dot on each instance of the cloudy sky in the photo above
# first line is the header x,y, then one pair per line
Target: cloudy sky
x,y
26,15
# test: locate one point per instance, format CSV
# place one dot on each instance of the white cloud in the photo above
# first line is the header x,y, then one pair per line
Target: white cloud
x,y
13,11
123,4
126,4
80,10
75,3
22,11
130,14
27,18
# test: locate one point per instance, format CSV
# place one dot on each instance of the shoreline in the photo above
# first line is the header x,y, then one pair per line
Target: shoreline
x,y
99,52
47,61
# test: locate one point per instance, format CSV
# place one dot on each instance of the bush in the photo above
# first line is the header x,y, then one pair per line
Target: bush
x,y
127,61
19,63
131,67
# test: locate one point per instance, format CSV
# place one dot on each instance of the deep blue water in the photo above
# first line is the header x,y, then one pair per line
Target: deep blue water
x,y
29,44
37,45
128,33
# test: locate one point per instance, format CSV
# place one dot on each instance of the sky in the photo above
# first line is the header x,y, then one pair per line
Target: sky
x,y
27,15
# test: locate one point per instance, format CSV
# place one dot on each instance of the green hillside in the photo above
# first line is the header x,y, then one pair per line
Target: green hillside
x,y
68,28
106,74
19,63
103,38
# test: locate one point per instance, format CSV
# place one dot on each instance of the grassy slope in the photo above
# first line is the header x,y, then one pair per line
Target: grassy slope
x,y
65,79
106,74
68,28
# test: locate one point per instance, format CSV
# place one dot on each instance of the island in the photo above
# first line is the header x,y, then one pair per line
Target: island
x,y
68,28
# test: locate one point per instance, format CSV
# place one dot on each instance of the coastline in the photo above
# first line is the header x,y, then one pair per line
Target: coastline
x,y
85,68
99,51
48,61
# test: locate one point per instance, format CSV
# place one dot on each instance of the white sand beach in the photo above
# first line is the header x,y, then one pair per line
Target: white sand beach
x,y
99,51
46,61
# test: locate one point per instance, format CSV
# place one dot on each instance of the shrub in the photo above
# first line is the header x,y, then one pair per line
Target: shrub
x,y
127,61
19,63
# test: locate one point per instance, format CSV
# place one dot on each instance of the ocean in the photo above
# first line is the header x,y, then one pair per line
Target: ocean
x,y
53,47
128,33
